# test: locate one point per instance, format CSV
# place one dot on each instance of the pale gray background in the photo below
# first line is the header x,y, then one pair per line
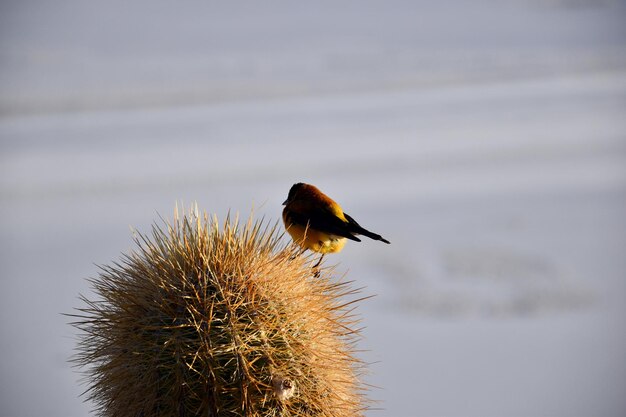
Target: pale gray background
x,y
486,139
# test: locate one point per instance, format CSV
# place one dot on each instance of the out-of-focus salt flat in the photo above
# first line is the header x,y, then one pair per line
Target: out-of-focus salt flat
x,y
486,141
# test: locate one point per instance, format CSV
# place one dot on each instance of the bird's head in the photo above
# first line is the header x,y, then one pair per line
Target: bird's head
x,y
294,191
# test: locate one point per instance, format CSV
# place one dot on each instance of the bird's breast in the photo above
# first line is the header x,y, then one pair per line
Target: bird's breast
x,y
312,239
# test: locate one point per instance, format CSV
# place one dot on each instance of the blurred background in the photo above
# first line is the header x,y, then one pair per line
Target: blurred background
x,y
485,139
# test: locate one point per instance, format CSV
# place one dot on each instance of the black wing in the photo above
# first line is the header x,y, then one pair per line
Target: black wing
x,y
325,221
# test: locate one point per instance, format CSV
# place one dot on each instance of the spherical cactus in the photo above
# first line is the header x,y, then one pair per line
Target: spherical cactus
x,y
206,319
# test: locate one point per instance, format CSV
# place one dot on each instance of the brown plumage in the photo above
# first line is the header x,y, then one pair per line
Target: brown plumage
x,y
316,222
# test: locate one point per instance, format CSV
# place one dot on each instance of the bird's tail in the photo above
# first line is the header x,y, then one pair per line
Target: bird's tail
x,y
358,229
371,235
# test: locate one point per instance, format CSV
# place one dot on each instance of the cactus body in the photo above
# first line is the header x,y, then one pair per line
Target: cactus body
x,y
206,319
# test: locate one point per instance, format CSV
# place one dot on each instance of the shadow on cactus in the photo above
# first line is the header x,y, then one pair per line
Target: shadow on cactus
x,y
219,320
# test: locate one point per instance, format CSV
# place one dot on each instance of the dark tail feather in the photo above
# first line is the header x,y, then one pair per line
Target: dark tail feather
x,y
371,235
358,229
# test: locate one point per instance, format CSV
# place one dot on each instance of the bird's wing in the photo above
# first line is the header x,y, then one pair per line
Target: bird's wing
x,y
351,221
324,221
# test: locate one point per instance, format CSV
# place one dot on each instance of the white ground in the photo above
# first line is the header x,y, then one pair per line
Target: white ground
x,y
486,140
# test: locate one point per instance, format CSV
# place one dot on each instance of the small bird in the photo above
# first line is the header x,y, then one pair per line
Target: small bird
x,y
316,222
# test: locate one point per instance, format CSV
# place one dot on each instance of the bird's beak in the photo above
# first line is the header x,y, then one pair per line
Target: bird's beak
x,y
285,202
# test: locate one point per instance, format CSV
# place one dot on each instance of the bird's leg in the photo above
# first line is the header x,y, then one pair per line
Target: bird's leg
x,y
297,254
320,261
316,269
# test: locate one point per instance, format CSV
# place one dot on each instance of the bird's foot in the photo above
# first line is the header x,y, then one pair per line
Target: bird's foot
x,y
316,268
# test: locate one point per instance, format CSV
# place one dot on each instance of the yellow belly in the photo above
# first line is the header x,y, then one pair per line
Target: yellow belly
x,y
315,240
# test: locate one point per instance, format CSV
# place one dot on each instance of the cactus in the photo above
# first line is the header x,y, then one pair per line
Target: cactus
x,y
204,319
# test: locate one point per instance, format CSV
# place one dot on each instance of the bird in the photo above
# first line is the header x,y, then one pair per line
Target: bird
x,y
318,223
